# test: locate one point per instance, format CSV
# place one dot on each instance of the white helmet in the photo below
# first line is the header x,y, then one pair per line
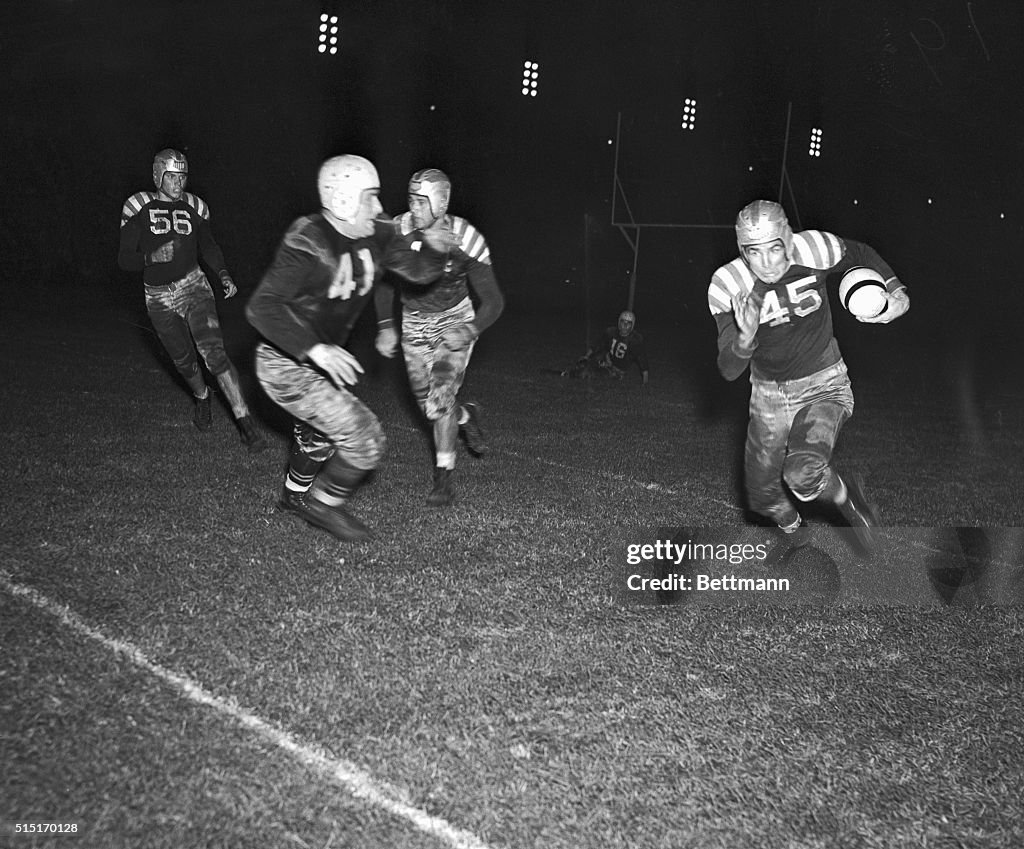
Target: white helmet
x,y
168,160
763,221
435,186
626,323
341,183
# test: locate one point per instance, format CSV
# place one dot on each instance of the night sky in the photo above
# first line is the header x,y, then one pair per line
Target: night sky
x,y
917,100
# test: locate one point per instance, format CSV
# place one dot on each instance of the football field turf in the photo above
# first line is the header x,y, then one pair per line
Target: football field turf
x,y
184,666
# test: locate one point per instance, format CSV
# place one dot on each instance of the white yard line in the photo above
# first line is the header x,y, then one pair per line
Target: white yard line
x,y
352,778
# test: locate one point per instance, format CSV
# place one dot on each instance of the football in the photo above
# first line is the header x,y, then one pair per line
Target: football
x,y
862,292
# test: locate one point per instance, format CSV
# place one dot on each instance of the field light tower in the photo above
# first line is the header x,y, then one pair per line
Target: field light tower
x,y
327,40
689,113
815,148
530,74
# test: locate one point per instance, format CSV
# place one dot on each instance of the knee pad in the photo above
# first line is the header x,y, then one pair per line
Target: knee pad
x,y
188,367
806,474
439,403
366,450
216,360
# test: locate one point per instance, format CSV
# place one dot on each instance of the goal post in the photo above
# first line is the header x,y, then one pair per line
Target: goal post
x,y
707,177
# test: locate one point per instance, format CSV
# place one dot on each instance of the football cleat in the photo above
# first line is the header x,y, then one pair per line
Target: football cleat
x,y
860,514
250,434
202,418
472,431
291,501
335,520
443,492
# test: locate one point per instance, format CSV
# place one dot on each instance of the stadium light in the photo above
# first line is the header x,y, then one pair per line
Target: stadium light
x,y
689,113
530,73
815,148
327,40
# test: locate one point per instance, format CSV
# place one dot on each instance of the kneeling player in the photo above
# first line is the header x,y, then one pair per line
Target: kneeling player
x,y
619,347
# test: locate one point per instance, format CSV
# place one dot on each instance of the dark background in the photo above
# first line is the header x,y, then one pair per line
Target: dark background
x,y
917,100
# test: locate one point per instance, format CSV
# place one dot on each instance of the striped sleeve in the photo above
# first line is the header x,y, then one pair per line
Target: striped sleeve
x,y
474,245
133,206
198,204
817,249
734,278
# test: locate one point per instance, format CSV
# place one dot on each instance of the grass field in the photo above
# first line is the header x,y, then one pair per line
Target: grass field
x,y
184,667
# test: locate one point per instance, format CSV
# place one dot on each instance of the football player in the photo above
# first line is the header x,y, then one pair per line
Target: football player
x,y
773,315
163,234
437,259
305,306
618,347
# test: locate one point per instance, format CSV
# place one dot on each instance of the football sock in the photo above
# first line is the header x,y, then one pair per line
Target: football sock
x,y
445,460
301,470
336,482
791,528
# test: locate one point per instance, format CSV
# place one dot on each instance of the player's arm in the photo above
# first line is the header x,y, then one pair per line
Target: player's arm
x,y
129,255
271,309
387,330
737,334
857,253
213,256
491,300
638,347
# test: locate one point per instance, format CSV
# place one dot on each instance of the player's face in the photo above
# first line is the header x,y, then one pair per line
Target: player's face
x,y
369,208
767,261
625,327
422,215
173,185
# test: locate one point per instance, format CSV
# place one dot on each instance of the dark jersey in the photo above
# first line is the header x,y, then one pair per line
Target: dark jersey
x,y
620,350
148,222
795,337
463,265
316,287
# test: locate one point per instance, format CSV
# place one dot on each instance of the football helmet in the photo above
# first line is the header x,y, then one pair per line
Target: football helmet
x,y
763,221
626,323
341,183
168,160
434,185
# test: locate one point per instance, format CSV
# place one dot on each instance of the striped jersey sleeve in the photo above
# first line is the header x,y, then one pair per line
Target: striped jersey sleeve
x,y
733,278
474,245
817,249
198,204
133,206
